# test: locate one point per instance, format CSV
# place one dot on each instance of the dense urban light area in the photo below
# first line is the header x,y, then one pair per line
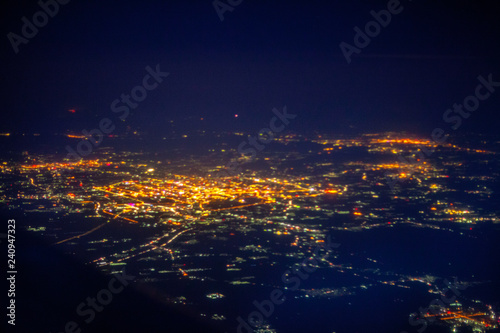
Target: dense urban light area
x,y
126,209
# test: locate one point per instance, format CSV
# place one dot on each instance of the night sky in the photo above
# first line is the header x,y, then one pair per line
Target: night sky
x,y
264,54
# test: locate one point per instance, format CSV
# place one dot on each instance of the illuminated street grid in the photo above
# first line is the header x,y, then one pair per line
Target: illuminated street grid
x,y
288,209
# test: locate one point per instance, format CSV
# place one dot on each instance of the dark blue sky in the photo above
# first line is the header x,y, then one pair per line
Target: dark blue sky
x,y
263,55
